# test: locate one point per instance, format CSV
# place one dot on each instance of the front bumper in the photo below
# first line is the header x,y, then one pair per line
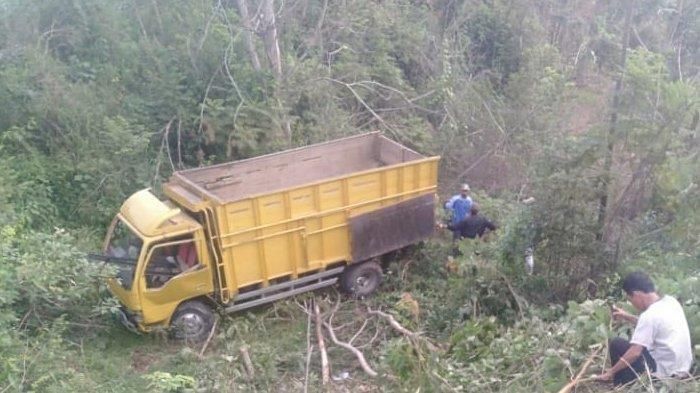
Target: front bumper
x,y
129,320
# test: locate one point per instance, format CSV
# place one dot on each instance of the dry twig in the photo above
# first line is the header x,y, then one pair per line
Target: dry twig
x,y
211,334
359,98
164,145
516,297
358,354
247,362
397,326
569,386
325,370
362,328
309,347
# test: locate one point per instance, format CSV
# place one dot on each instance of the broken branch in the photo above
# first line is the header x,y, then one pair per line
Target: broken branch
x,y
309,347
325,371
397,326
211,334
567,388
247,362
358,354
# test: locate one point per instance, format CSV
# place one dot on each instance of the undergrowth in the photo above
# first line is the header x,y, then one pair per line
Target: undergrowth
x,y
477,330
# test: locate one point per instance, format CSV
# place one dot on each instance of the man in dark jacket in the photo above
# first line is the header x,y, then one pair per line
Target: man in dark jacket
x,y
473,225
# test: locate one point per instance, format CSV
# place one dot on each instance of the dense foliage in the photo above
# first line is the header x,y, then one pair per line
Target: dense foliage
x,y
588,108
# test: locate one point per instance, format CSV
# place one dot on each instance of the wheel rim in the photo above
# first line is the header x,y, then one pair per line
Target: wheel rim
x,y
364,282
191,324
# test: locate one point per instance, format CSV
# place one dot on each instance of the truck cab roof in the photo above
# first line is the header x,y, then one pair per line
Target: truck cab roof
x,y
153,217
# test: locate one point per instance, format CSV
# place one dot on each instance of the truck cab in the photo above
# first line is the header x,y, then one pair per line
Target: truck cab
x,y
163,260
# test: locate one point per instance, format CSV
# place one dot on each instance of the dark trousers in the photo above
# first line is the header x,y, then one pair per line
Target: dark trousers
x,y
618,346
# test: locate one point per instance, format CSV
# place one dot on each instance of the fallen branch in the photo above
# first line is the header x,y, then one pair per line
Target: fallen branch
x,y
362,328
247,362
397,326
567,388
358,354
211,334
377,331
309,347
24,318
325,371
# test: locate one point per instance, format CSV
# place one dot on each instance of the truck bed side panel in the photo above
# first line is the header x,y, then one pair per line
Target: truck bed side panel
x,y
289,214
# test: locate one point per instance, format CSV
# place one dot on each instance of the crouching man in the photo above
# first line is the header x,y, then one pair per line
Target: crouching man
x,y
661,338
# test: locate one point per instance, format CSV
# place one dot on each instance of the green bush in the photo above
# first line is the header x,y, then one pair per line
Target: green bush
x,y
48,290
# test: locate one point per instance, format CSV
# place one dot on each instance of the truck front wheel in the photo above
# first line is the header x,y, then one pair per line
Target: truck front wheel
x,y
192,321
361,279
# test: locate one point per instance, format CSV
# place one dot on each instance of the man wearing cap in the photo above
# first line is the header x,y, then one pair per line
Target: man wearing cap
x,y
459,206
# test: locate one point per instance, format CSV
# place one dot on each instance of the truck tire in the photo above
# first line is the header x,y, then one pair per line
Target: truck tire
x,y
192,321
362,279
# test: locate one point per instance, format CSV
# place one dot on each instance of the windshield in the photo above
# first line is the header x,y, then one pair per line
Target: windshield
x,y
170,259
124,246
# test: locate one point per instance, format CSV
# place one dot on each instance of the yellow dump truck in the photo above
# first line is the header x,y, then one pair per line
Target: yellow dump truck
x,y
240,234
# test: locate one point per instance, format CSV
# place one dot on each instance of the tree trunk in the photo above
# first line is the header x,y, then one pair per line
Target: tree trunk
x,y
612,131
272,47
318,33
248,26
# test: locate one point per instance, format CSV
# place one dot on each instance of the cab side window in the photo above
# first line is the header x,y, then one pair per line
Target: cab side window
x,y
170,260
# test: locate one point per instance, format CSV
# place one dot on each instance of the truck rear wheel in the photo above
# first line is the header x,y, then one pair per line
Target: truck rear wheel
x,y
192,321
362,279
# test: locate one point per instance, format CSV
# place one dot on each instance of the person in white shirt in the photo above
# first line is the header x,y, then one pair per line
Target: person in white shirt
x,y
661,338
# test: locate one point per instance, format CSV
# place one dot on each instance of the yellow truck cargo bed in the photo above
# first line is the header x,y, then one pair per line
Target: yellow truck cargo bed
x,y
283,216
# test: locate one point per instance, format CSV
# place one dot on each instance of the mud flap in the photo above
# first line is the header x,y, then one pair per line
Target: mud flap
x,y
393,227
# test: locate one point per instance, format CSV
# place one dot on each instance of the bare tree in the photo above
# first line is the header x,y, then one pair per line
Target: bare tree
x,y
248,26
269,33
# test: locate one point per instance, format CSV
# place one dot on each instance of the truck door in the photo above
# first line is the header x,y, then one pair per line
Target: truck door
x,y
175,271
